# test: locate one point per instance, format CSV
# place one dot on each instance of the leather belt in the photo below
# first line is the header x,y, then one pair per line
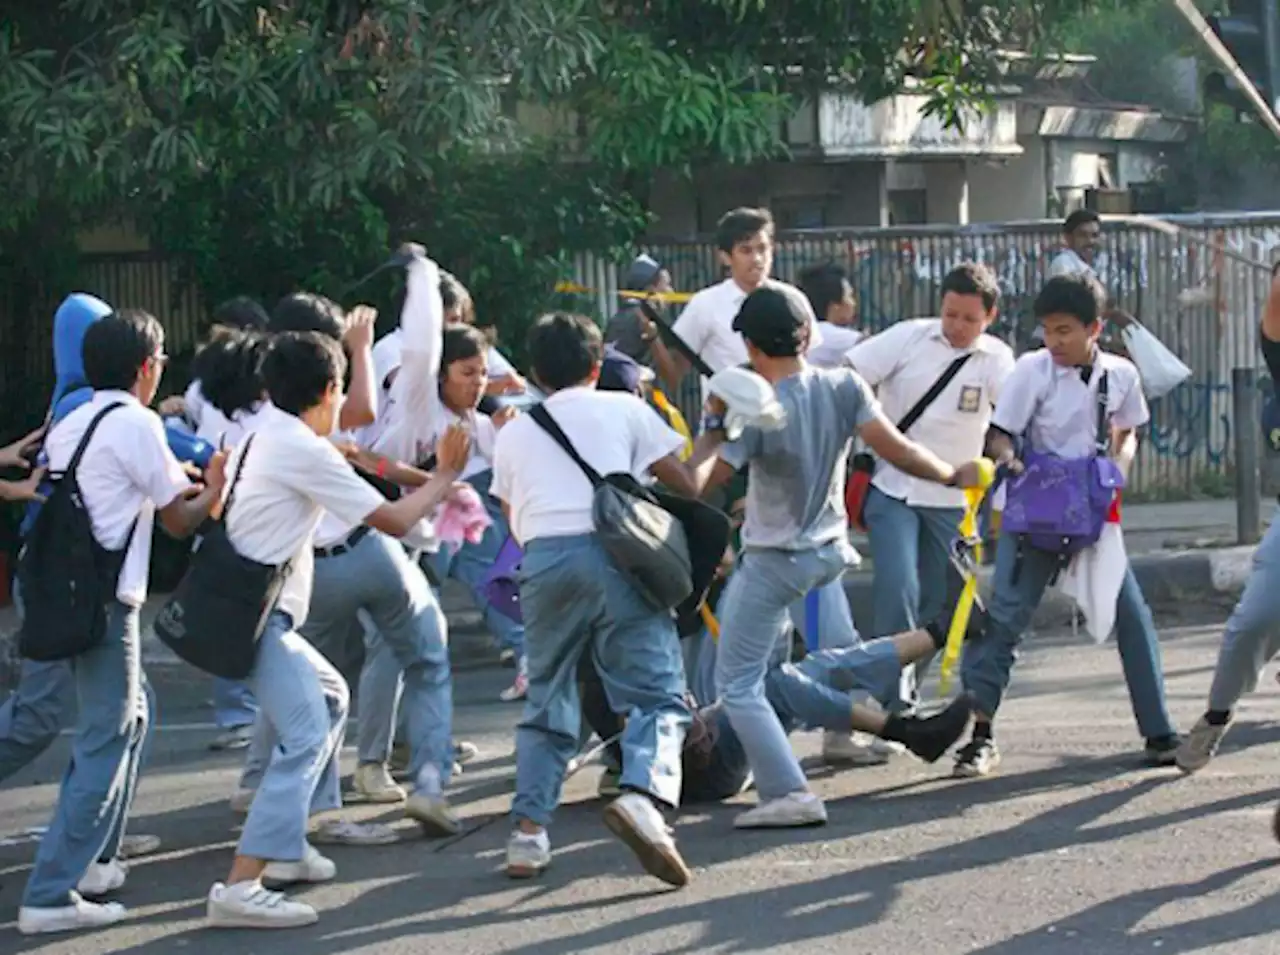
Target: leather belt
x,y
346,546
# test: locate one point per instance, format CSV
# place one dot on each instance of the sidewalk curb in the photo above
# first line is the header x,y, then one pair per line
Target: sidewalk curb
x,y
1170,580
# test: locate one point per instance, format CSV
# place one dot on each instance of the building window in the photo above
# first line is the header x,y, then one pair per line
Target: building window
x,y
801,212
908,207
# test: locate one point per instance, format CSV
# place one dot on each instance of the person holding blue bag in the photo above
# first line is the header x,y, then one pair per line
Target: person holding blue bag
x,y
1076,411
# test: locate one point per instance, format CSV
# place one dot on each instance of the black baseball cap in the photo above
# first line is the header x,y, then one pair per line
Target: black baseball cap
x,y
774,319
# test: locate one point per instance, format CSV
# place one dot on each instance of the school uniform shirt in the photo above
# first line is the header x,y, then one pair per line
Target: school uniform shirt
x,y
795,485
1068,262
902,363
127,473
836,341
291,478
706,324
546,491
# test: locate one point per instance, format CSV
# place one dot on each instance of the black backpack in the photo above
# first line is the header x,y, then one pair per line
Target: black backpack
x,y
66,577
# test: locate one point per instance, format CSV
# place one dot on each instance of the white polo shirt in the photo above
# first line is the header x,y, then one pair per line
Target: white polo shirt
x,y
127,472
291,478
1058,412
547,492
706,324
902,363
836,342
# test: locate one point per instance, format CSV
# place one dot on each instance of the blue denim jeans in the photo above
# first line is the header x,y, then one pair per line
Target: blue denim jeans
x,y
1252,636
989,657
470,564
754,619
233,704
576,602
35,712
910,556
406,645
303,715
834,623
114,721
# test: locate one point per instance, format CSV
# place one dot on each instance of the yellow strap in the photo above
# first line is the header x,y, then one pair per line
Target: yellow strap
x,y
678,298
676,420
713,625
964,606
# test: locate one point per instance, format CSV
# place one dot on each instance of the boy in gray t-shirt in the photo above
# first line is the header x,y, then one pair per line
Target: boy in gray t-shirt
x,y
794,537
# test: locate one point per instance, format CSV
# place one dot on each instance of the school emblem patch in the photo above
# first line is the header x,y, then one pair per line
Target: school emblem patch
x,y
970,399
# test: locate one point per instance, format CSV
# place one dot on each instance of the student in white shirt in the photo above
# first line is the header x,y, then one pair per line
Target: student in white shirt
x,y
827,288
292,475
1082,237
128,477
575,602
1049,403
911,523
744,238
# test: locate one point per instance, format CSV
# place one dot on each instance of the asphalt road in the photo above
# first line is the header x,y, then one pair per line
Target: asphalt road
x,y
1072,848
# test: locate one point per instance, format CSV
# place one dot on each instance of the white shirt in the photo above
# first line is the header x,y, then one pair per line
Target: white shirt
x,y
834,345
547,492
291,478
496,364
902,363
127,473
706,324
215,427
1058,412
194,400
1068,262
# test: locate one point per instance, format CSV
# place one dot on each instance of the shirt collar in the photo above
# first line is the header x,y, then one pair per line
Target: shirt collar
x,y
984,345
114,394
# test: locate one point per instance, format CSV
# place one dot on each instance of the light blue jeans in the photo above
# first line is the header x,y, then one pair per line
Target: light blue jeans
x,y
1252,635
576,602
407,645
835,620
820,691
35,712
233,704
989,656
470,564
303,704
910,554
115,705
754,618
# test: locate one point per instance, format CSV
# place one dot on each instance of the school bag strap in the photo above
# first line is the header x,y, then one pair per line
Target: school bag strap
x,y
74,464
235,481
917,410
548,424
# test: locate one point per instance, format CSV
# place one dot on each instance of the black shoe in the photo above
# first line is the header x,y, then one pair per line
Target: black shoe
x,y
978,757
1163,750
930,737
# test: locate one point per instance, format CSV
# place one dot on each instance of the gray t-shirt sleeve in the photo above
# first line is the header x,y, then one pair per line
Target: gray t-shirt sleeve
x,y
737,453
857,403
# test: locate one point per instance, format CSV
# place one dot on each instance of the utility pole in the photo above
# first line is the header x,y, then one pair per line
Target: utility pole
x,y
1246,44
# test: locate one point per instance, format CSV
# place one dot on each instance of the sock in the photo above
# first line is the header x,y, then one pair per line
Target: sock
x,y
1217,717
937,633
981,730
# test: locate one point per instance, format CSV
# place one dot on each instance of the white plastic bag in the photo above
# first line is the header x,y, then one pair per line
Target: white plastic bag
x,y
1161,369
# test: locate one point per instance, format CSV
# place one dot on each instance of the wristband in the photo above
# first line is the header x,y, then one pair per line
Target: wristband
x,y
713,422
382,468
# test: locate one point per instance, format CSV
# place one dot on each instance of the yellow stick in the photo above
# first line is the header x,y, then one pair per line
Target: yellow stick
x,y
678,298
713,625
964,606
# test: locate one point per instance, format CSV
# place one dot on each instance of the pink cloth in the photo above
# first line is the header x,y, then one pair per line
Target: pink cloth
x,y
462,518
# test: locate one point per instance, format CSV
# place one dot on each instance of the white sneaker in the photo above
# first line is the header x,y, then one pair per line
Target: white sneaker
x,y
373,783
851,749
791,811
313,867
140,845
1201,745
238,737
249,905
347,832
635,820
102,878
527,855
242,799
67,918
433,814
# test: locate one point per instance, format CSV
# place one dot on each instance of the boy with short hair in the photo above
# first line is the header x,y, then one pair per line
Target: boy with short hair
x,y
827,288
128,477
795,533
575,602
1050,404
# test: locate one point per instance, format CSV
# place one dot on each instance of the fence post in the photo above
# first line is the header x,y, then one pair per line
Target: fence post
x,y
1245,425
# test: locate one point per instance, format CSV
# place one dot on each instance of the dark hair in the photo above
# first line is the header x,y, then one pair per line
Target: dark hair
x,y
453,294
299,367
564,349
116,346
229,369
1078,218
461,342
741,224
823,286
1078,295
973,278
241,312
308,312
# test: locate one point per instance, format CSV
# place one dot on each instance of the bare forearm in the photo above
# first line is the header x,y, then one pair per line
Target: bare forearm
x,y
361,407
397,472
999,447
183,517
670,367
1124,448
416,505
